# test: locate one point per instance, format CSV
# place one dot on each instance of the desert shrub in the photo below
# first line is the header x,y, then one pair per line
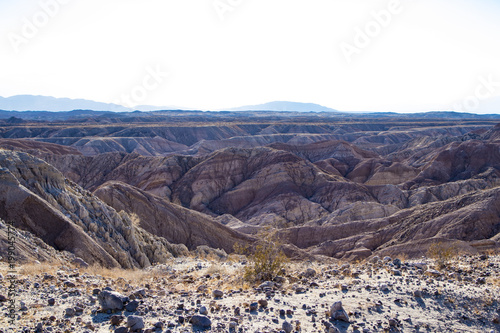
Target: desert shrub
x,y
136,220
442,252
266,258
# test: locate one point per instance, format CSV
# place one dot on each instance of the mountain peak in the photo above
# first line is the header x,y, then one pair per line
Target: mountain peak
x,y
285,106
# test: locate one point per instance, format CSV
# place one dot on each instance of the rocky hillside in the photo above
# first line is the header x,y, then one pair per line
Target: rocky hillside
x,y
128,191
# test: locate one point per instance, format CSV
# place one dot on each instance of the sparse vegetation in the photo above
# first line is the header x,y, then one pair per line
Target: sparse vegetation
x,y
443,252
136,220
267,259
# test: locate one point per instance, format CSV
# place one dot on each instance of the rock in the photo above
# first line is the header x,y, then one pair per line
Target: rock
x,y
396,272
3,298
263,303
217,293
375,259
111,300
254,306
135,323
433,273
417,293
51,301
267,284
287,327
121,330
309,273
201,321
203,310
384,288
116,319
132,306
70,312
338,313
79,262
397,262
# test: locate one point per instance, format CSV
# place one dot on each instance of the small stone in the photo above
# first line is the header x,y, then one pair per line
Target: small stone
x,y
203,310
121,330
79,262
254,306
396,272
70,312
417,293
287,327
309,273
263,303
132,306
433,273
217,293
116,319
51,301
267,284
135,323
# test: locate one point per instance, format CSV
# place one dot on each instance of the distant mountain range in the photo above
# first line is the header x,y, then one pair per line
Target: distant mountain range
x,y
53,104
46,103
285,106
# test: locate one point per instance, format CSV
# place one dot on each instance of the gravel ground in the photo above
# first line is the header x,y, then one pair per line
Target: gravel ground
x,y
192,294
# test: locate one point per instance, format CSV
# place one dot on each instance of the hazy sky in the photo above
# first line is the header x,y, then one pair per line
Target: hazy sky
x,y
350,55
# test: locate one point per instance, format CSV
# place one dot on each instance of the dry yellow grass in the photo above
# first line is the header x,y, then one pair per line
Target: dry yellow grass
x,y
133,275
38,268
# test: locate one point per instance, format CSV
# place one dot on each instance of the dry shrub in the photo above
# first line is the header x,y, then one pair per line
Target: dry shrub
x,y
136,220
443,252
266,257
134,275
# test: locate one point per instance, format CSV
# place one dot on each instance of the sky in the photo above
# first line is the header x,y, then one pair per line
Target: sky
x,y
350,55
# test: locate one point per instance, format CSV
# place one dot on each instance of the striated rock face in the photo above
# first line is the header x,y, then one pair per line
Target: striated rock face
x,y
37,148
28,247
156,146
38,198
459,161
177,224
250,183
470,217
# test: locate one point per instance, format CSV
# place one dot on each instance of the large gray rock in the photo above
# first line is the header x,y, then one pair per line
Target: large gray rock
x,y
111,300
201,321
338,313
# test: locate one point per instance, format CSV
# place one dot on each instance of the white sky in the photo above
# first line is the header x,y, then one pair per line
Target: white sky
x,y
432,55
